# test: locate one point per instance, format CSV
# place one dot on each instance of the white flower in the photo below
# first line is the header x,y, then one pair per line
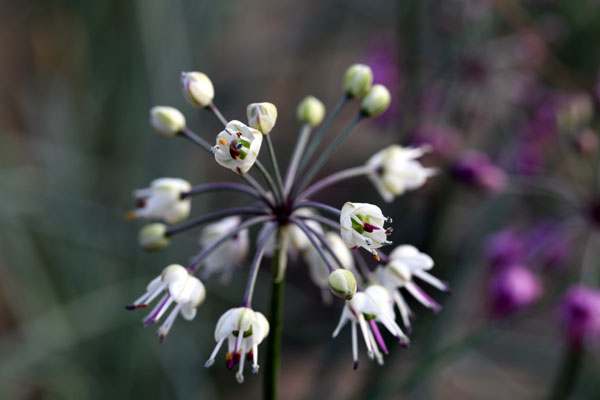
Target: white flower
x,y
163,200
395,170
237,147
365,309
318,270
362,226
181,288
197,88
230,253
244,330
405,263
262,116
167,121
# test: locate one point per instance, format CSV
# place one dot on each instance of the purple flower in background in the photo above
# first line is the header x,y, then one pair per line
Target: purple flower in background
x,y
579,315
549,244
512,288
382,58
476,169
529,158
445,140
505,247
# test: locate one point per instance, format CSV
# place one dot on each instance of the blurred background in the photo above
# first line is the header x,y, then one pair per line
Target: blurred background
x,y
505,91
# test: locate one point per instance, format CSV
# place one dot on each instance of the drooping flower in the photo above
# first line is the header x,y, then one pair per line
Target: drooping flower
x,y
318,270
512,288
244,330
406,263
362,226
395,170
163,200
579,315
342,283
237,147
181,288
365,309
230,253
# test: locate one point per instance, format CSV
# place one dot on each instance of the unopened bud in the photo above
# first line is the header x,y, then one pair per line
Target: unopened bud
x,y
262,116
342,283
152,237
166,121
376,101
197,88
311,111
358,80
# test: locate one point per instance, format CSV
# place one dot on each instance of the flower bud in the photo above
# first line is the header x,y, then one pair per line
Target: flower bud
x,y
311,111
358,80
166,121
376,101
262,116
152,237
342,283
197,88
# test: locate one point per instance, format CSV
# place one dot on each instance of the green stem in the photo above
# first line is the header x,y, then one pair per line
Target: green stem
x,y
567,376
328,152
278,179
271,375
218,114
319,135
268,179
295,160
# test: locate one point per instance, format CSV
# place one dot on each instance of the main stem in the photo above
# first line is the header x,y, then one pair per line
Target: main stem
x,y
271,384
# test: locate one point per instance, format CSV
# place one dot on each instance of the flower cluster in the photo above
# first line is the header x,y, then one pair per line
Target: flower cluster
x,y
292,224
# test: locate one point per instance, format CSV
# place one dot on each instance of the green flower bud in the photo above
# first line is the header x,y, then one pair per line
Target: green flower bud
x,y
197,88
376,101
166,121
311,111
152,237
358,80
342,283
262,116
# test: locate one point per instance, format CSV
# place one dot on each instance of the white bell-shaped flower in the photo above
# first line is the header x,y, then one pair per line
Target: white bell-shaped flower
x,y
406,263
394,170
237,147
181,288
365,309
163,200
230,253
244,329
362,226
317,268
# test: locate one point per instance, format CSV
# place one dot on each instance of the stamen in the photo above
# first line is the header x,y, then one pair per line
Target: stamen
x,y
150,318
211,360
254,352
131,215
370,228
376,255
389,220
240,374
389,231
377,334
229,360
354,346
223,142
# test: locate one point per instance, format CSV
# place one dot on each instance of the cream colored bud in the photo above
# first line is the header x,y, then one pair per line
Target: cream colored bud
x,y
167,121
311,111
262,116
152,237
358,80
197,88
342,283
376,101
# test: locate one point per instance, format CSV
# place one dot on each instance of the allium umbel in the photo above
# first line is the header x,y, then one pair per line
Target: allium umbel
x,y
326,238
